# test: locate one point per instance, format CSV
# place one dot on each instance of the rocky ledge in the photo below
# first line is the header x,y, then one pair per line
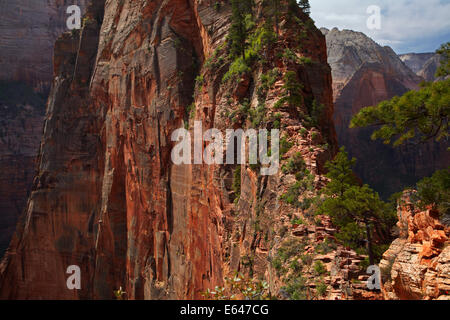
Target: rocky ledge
x,y
417,265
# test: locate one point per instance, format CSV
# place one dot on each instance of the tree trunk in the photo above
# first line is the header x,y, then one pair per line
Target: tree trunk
x,y
369,243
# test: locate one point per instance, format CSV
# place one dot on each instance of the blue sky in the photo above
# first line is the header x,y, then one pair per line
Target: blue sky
x,y
406,25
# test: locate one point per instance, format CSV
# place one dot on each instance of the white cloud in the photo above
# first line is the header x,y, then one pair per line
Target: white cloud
x,y
405,24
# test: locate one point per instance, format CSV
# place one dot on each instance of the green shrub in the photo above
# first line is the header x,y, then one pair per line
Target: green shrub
x,y
289,249
257,115
305,60
199,81
294,165
303,132
434,191
277,264
326,247
307,259
319,268
296,288
237,182
298,221
292,91
237,68
296,267
285,146
290,56
321,288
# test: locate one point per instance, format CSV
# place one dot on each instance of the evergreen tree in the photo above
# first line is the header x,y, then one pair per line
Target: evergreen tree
x,y
444,69
272,13
354,209
238,31
305,6
435,192
340,173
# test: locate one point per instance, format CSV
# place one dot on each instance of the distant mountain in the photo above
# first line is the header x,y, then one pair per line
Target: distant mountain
x,y
349,51
364,74
423,64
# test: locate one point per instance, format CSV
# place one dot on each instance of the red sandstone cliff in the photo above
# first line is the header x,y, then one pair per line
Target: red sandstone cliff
x,y
108,198
365,74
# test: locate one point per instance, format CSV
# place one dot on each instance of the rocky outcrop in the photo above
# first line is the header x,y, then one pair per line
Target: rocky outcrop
x,y
417,265
424,65
28,30
107,196
342,274
365,74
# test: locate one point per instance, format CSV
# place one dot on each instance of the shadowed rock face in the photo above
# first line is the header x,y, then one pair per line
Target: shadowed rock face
x,y
108,198
21,122
365,74
28,30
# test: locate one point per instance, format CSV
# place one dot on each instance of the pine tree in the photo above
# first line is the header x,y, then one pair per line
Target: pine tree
x,y
340,173
305,6
273,9
354,209
444,69
238,31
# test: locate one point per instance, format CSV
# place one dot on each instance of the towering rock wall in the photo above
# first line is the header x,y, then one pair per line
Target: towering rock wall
x,y
365,74
107,196
28,30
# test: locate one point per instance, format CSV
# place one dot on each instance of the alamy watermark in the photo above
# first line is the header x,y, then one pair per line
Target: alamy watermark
x,y
209,147
74,280
74,20
374,281
374,20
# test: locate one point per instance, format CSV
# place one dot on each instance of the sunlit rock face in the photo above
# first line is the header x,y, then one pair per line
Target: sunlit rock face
x,y
364,74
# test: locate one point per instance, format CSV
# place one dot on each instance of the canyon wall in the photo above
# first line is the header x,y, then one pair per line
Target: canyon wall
x,y
107,196
365,74
28,30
